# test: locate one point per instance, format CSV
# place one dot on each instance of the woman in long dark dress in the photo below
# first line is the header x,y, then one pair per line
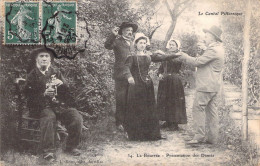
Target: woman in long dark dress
x,y
170,98
141,120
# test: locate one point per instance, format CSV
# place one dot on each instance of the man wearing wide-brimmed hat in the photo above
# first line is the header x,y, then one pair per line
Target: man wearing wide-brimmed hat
x,y
120,41
208,82
48,99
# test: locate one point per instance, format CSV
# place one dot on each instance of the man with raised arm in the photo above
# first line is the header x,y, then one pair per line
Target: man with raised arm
x,y
121,42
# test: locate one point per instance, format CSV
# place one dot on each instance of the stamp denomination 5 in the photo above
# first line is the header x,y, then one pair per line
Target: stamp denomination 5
x,y
21,23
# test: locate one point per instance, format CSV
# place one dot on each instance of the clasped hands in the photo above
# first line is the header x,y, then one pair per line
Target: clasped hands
x,y
179,54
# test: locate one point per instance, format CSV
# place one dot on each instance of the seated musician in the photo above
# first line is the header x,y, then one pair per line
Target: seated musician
x,y
49,99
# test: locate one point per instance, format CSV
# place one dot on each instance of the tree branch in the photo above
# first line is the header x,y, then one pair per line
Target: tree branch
x,y
176,5
184,2
156,10
169,9
151,35
185,7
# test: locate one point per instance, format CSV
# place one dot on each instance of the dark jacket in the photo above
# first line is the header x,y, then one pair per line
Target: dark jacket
x,y
36,86
121,50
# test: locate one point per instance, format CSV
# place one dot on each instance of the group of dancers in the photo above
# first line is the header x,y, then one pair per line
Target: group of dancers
x,y
137,111
140,113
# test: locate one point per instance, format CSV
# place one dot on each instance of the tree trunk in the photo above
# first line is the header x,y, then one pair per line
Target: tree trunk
x,y
245,72
169,33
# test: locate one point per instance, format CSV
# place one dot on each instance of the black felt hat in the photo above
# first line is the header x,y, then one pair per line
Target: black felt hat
x,y
127,24
36,51
33,55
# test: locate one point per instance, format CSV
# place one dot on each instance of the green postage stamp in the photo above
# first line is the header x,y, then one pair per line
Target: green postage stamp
x,y
21,23
40,22
59,22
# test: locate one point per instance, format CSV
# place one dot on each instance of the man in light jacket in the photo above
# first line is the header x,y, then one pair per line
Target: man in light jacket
x,y
208,82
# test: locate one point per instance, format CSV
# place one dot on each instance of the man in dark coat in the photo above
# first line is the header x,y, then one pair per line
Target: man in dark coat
x,y
48,98
122,47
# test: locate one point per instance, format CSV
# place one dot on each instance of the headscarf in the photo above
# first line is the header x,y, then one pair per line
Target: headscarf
x,y
176,41
139,35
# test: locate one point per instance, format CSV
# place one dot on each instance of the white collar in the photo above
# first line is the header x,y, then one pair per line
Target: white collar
x,y
128,40
43,72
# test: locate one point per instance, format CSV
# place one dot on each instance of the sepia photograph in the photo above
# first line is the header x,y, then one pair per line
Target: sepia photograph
x,y
130,82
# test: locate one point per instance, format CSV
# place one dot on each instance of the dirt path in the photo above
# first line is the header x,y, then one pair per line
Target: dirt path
x,y
172,151
119,151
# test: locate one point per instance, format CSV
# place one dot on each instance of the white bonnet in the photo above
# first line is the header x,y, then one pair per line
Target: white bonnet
x,y
138,35
176,41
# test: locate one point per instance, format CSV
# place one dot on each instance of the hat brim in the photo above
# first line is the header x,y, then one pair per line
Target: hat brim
x,y
134,26
35,52
208,31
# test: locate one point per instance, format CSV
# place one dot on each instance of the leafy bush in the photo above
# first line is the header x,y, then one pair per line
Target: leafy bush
x,y
89,74
233,42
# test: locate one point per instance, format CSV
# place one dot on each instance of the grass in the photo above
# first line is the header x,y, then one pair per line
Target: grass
x,y
230,138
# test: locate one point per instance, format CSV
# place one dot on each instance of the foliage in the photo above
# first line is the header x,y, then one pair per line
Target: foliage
x,y
189,46
103,15
89,74
233,40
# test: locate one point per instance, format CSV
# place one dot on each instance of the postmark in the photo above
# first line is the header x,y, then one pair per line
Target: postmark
x,y
59,23
21,23
70,51
62,31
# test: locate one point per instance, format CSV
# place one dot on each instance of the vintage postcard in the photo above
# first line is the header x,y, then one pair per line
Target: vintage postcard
x,y
130,82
